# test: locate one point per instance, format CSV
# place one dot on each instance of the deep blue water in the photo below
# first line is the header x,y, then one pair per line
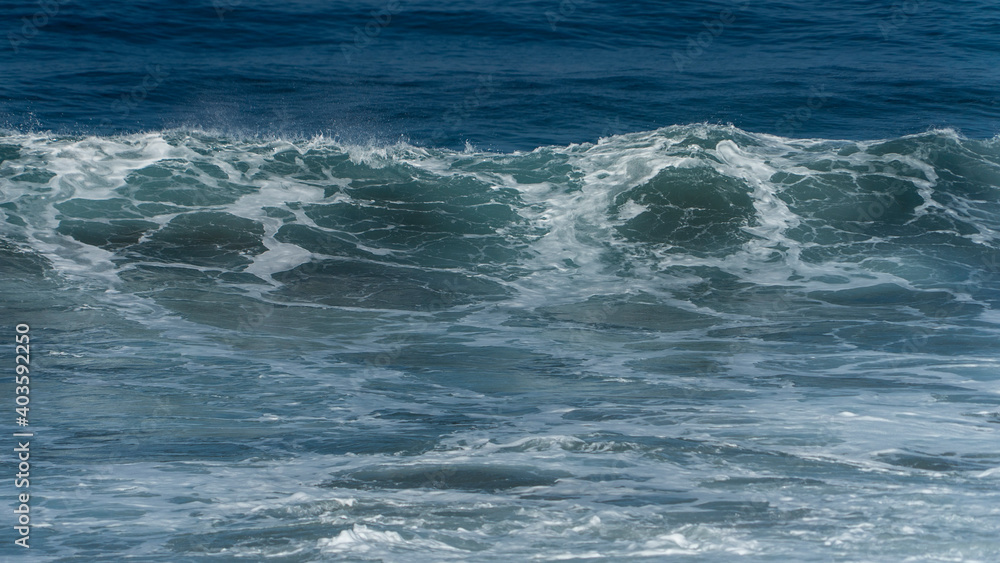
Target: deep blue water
x,y
586,281
502,75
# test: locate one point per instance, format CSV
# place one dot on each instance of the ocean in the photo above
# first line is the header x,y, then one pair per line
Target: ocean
x,y
535,280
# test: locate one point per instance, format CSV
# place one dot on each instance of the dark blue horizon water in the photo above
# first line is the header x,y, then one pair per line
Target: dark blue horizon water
x,y
501,75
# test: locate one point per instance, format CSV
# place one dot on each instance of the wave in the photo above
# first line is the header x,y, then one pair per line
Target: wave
x,y
679,213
